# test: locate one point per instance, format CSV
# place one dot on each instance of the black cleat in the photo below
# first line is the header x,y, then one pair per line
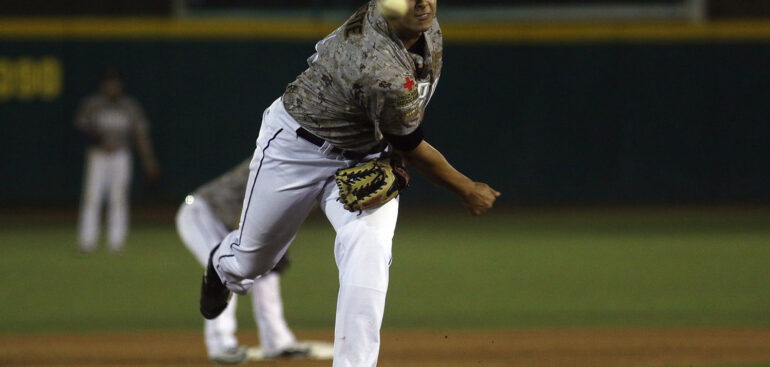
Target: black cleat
x,y
214,294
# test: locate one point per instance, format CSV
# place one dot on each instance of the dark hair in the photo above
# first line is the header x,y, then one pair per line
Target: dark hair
x,y
111,73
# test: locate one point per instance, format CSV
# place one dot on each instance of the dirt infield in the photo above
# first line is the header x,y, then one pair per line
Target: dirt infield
x,y
533,348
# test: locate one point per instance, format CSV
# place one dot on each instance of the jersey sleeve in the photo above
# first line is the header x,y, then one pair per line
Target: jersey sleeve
x,y
395,104
138,118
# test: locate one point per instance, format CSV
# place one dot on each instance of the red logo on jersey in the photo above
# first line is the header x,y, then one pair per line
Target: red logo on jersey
x,y
409,84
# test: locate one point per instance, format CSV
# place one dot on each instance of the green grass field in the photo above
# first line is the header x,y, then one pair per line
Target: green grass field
x,y
510,269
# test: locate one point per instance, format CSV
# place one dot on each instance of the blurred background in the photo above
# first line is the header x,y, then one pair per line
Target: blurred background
x,y
630,140
553,102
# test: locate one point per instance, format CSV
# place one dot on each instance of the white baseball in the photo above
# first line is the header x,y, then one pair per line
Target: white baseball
x,y
393,8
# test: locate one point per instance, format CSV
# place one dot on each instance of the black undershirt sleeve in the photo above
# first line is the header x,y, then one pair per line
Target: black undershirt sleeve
x,y
406,142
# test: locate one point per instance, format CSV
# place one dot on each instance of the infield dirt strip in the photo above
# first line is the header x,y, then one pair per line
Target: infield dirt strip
x,y
571,347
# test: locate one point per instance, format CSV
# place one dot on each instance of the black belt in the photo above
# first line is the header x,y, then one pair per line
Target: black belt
x,y
349,154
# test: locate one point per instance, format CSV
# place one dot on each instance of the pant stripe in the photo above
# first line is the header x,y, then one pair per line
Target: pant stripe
x,y
254,184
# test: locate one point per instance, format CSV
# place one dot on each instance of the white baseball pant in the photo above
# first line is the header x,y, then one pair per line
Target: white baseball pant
x,y
106,173
201,231
288,175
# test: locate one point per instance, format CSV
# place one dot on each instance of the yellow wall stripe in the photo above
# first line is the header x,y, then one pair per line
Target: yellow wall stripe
x,y
610,32
152,28
148,28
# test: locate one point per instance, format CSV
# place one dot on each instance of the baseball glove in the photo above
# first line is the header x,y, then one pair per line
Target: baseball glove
x,y
371,184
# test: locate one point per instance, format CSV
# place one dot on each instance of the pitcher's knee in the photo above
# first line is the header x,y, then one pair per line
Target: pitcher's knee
x,y
255,270
254,264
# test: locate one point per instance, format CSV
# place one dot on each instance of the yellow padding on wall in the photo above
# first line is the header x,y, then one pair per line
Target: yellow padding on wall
x,y
162,28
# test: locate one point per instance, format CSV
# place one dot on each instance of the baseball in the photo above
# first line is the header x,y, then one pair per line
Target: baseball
x,y
393,8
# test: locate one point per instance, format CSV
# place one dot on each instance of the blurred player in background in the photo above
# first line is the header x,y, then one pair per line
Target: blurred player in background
x,y
204,219
113,123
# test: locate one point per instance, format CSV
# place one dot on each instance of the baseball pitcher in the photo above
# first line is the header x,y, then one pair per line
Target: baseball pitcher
x,y
362,99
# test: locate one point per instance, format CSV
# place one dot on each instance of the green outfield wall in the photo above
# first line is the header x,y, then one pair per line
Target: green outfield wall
x,y
546,115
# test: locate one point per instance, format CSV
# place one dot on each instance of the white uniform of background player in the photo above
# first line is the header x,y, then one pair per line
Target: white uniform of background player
x,y
112,122
368,84
205,218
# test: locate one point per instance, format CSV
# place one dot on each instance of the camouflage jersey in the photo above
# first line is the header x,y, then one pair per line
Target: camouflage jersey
x,y
113,123
224,195
362,82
